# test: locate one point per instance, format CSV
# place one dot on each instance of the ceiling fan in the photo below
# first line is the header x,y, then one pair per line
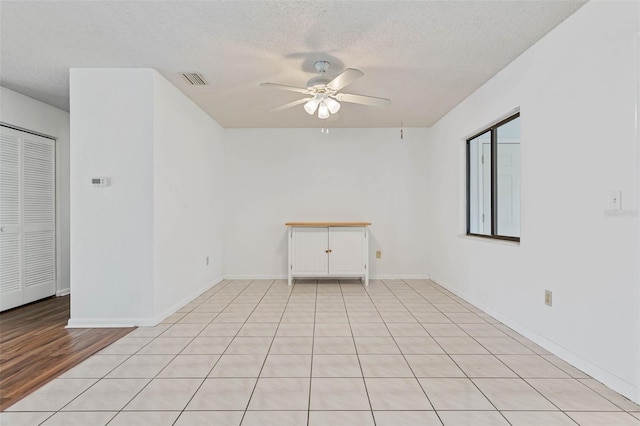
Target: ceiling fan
x,y
325,95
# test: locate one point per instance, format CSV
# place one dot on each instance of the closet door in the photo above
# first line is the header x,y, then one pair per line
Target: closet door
x,y
27,218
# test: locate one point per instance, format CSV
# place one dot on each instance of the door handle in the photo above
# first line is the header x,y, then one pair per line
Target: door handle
x,y
327,251
2,229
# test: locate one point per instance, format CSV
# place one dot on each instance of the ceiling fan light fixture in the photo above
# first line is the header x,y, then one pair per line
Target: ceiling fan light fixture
x,y
323,110
312,106
333,105
324,95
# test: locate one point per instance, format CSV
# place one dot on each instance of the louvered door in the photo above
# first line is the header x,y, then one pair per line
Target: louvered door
x,y
27,218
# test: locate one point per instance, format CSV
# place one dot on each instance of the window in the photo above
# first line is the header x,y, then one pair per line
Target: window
x,y
493,181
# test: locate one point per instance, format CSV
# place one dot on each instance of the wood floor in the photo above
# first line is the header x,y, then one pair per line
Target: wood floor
x,y
35,347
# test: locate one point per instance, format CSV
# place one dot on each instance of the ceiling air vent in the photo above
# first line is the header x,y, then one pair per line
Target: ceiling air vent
x,y
194,79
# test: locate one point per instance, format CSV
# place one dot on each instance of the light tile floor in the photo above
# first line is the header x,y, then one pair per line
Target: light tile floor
x,y
325,353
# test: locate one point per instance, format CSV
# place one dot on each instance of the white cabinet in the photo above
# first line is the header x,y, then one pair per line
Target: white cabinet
x,y
329,249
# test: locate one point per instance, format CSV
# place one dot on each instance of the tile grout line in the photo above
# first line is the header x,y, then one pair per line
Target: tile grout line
x,y
355,346
403,354
268,350
229,303
313,342
215,363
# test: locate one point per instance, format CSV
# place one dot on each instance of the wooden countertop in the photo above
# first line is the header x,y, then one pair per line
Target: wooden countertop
x,y
327,224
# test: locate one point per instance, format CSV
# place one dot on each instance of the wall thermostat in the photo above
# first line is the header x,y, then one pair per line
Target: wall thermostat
x,y
100,181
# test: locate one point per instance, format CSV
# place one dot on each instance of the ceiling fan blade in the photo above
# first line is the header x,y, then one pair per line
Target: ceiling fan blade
x,y
364,100
290,104
283,87
347,76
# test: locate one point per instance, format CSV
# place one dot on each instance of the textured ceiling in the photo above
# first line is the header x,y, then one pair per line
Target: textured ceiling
x,y
426,56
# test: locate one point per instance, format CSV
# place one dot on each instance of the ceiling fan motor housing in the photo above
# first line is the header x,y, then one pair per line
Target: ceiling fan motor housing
x,y
322,66
319,82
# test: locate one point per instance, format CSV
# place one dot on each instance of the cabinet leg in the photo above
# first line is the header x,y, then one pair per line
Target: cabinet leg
x,y
366,280
290,280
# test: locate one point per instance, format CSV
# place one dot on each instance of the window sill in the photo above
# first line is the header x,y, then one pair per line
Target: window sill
x,y
490,240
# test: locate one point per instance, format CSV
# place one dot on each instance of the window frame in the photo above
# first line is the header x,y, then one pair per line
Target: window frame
x,y
493,130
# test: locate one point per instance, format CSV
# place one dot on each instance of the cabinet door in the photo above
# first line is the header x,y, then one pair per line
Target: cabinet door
x,y
309,251
347,251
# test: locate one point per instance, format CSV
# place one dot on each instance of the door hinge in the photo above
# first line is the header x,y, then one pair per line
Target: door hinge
x,y
291,267
365,266
482,217
483,159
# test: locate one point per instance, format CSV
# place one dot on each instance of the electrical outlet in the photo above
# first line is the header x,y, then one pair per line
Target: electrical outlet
x,y
207,260
615,200
378,254
548,297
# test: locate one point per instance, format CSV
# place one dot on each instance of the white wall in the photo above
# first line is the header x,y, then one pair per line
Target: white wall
x,y
112,227
576,90
26,113
138,246
188,175
275,176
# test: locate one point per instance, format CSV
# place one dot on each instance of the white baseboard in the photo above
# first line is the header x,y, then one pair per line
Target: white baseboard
x,y
137,322
63,292
109,322
371,277
612,381
255,277
399,277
